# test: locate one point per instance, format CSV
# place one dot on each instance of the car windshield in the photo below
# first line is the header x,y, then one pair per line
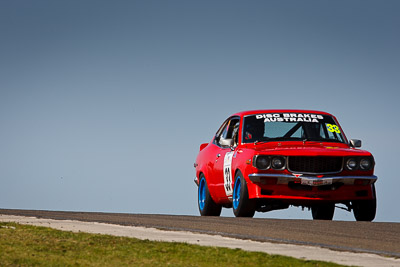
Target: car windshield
x,y
290,127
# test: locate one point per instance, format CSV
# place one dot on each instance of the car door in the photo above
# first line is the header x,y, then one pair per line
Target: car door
x,y
222,172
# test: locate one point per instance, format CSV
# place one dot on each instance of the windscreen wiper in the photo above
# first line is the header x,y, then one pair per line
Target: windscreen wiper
x,y
260,142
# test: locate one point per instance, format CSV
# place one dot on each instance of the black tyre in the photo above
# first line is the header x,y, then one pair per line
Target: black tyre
x,y
323,211
365,210
242,205
207,206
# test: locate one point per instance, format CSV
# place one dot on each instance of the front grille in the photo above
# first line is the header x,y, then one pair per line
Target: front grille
x,y
315,164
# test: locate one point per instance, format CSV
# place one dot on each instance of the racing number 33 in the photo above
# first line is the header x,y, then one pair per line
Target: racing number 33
x,y
333,128
227,173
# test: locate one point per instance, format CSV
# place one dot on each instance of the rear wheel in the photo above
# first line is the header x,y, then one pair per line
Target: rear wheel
x,y
365,210
242,205
207,206
323,211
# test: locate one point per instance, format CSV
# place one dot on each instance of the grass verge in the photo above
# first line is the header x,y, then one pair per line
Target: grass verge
x,y
23,245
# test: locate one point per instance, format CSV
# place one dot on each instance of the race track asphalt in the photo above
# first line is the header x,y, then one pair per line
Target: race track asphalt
x,y
374,237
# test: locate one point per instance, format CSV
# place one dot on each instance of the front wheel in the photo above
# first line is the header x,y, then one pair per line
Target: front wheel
x,y
365,210
207,206
242,205
323,211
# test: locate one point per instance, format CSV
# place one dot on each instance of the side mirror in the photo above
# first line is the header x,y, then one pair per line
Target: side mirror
x,y
355,143
226,142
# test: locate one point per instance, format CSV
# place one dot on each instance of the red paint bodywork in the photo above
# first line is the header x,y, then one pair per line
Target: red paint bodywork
x,y
211,166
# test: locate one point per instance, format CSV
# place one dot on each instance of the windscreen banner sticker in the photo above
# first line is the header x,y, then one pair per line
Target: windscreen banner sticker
x,y
228,174
289,117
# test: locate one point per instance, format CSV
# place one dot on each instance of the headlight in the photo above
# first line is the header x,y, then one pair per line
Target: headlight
x,y
278,163
365,164
351,164
262,162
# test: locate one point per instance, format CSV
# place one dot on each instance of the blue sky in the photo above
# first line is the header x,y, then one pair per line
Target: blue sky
x,y
103,104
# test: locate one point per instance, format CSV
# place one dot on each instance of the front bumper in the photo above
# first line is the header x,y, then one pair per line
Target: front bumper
x,y
266,178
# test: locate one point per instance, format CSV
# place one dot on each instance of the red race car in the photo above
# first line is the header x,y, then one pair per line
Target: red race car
x,y
267,160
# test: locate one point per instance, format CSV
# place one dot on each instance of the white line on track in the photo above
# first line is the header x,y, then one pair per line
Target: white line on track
x,y
296,251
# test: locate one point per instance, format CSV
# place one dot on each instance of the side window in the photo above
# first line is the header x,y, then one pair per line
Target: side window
x,y
221,132
224,133
228,130
232,128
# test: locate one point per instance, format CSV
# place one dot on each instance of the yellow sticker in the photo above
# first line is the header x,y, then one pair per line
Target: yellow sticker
x,y
333,128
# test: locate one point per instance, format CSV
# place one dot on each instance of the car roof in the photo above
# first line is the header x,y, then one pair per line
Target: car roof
x,y
261,111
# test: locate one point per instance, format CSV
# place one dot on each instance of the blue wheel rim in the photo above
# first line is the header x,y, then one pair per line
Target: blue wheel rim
x,y
202,193
236,193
